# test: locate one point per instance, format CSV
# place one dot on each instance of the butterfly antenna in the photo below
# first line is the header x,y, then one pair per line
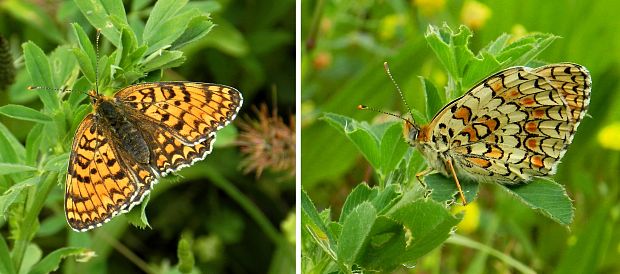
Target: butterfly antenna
x,y
364,107
97,61
47,88
387,70
57,89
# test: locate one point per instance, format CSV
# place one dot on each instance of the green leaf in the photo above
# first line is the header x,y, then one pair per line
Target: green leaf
x,y
228,39
547,196
78,93
115,9
24,113
163,60
6,168
478,69
315,226
6,264
33,144
138,53
361,193
496,46
85,44
416,164
129,44
450,47
170,31
524,50
96,13
105,70
432,98
204,6
197,28
137,216
164,25
393,148
443,189
11,195
12,149
161,12
380,198
32,255
40,72
86,66
51,262
360,134
355,230
410,230
57,163
62,64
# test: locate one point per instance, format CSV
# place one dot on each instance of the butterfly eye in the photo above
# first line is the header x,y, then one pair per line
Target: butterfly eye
x,y
410,132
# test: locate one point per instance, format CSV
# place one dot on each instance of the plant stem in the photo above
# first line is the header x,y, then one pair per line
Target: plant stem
x,y
36,199
464,241
130,255
246,204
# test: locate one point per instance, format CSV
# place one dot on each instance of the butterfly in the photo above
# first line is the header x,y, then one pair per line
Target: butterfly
x,y
512,126
130,140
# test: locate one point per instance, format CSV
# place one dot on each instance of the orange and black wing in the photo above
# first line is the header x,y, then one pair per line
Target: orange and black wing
x,y
191,112
101,183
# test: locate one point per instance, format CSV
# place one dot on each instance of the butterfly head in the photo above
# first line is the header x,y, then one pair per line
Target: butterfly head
x,y
410,131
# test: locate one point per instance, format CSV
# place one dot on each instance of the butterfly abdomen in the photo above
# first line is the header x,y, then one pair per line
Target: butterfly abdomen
x,y
127,134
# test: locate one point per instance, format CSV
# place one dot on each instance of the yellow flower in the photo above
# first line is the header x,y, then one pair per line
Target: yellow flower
x,y
517,32
475,14
608,136
429,7
389,25
471,219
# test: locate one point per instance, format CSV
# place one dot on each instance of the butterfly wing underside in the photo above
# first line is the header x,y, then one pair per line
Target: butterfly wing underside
x,y
516,123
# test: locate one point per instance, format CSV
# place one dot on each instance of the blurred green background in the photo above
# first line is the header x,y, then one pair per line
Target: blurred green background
x,y
251,48
344,44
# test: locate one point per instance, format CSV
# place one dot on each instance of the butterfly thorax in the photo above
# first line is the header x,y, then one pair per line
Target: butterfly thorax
x,y
126,133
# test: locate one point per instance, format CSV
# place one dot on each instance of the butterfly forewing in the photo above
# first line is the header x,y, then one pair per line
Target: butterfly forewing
x,y
513,125
190,111
98,186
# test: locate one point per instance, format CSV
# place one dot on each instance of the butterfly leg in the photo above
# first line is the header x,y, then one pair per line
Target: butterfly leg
x,y
423,173
456,179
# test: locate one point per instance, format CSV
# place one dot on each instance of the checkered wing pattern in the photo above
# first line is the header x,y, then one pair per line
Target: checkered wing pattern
x,y
100,183
515,124
189,111
176,122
